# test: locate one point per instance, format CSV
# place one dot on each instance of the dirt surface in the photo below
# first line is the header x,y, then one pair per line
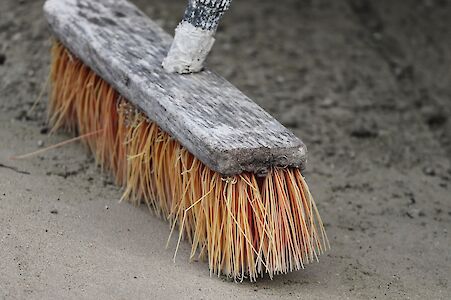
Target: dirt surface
x,y
365,84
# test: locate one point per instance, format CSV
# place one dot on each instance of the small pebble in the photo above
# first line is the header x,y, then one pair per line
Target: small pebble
x,y
429,171
40,143
280,79
16,36
364,133
327,102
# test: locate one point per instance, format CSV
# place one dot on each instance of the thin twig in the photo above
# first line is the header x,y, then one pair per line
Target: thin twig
x,y
41,93
23,156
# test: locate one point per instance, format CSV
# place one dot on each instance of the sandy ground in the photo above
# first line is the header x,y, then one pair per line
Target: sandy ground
x,y
366,85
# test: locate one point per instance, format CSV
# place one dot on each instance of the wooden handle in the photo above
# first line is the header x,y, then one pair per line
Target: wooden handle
x,y
205,14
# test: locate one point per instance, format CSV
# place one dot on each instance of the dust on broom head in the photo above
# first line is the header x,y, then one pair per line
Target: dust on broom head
x,y
243,225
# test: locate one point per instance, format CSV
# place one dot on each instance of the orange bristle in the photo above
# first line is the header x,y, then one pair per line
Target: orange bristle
x,y
243,225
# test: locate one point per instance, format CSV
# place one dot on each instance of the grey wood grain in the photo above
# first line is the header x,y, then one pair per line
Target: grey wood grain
x,y
216,122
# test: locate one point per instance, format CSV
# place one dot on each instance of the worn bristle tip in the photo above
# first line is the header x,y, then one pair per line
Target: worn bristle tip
x,y
243,225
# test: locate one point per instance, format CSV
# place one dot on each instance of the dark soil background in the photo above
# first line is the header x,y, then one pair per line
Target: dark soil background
x,y
365,84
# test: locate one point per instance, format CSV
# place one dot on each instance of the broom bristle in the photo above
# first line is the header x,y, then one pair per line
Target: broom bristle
x,y
243,225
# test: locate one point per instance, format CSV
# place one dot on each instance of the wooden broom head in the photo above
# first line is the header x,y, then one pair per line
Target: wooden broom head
x,y
244,225
210,117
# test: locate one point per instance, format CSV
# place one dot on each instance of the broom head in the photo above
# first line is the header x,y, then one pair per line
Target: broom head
x,y
193,148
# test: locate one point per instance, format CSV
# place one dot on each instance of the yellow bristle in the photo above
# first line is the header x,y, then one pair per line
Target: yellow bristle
x,y
243,225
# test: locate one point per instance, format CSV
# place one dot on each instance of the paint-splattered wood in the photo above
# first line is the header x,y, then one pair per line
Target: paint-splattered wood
x,y
209,116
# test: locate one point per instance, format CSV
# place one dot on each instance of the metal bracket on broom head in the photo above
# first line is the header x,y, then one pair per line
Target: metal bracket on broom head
x,y
216,122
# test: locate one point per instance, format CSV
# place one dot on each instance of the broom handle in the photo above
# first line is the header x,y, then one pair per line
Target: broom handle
x,y
205,14
194,36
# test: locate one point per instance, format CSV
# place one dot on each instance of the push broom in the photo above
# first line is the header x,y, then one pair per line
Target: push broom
x,y
192,147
